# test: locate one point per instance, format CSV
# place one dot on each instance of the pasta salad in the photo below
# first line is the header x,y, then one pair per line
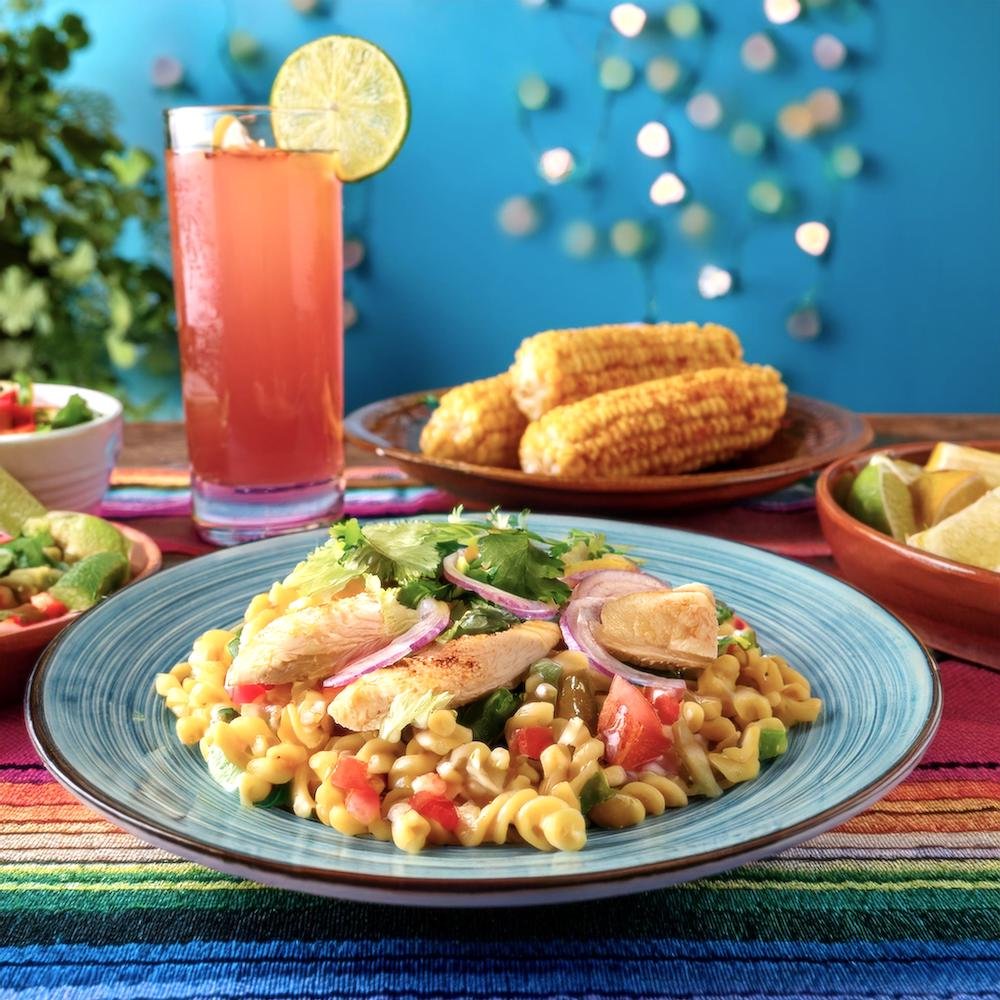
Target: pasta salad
x,y
469,681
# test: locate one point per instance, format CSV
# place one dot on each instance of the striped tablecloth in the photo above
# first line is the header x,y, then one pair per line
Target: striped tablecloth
x,y
902,901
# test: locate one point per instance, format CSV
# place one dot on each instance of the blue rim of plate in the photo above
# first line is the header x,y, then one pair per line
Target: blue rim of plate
x,y
490,889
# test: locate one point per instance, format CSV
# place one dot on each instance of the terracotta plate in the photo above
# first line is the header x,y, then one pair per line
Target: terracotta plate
x,y
813,434
951,606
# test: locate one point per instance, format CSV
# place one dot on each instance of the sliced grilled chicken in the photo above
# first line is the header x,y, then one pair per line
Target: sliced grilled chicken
x,y
467,668
316,642
661,628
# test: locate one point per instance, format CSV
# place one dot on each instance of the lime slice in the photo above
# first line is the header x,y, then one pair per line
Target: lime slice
x,y
940,494
230,133
959,456
360,85
881,499
971,536
16,504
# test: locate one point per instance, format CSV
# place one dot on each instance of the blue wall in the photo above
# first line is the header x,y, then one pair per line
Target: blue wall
x,y
908,291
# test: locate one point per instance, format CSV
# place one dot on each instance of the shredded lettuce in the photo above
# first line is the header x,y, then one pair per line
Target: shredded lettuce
x,y
408,709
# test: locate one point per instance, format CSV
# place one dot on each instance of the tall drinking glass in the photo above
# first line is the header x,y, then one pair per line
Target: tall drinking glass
x,y
257,252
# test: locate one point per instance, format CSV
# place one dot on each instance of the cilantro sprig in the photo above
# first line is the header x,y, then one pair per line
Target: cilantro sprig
x,y
513,560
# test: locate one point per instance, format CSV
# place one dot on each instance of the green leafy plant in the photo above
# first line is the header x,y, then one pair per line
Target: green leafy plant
x,y
73,307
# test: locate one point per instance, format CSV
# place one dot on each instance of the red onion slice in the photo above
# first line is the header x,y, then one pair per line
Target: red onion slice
x,y
605,583
520,606
577,626
435,616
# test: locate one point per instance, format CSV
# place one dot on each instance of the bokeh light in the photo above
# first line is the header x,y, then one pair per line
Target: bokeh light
x,y
766,197
663,74
704,110
695,220
813,238
796,121
518,216
629,238
759,53
747,139
667,189
354,253
804,323
782,11
684,20
829,52
304,6
166,72
846,161
350,314
533,92
580,239
714,282
653,139
243,47
628,19
825,108
616,73
556,164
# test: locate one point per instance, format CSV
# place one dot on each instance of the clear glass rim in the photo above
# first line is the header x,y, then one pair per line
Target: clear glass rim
x,y
243,109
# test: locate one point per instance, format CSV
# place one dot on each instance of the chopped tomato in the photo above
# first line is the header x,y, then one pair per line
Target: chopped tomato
x,y
436,807
738,623
350,773
630,727
666,703
243,694
363,804
531,741
49,606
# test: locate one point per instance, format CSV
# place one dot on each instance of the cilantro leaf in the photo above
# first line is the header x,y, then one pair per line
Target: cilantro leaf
x,y
398,551
478,617
510,559
412,593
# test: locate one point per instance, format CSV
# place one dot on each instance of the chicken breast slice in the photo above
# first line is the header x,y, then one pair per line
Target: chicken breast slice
x,y
315,642
661,628
468,668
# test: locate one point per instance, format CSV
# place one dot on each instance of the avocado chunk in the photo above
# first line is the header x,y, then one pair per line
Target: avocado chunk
x,y
30,581
90,579
78,535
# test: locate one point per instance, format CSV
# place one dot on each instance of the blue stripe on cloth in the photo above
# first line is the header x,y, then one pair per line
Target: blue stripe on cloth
x,y
509,968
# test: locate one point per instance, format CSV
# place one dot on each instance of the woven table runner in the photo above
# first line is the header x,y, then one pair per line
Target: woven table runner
x,y
901,901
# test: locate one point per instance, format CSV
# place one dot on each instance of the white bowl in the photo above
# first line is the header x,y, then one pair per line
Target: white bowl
x,y
67,469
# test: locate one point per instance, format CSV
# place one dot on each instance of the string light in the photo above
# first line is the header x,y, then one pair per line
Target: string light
x,y
653,139
782,11
804,323
663,74
304,6
766,197
518,216
616,73
684,20
533,92
704,110
813,238
166,73
759,53
350,314
667,189
747,139
846,162
556,165
354,253
825,108
628,19
796,121
695,220
629,238
714,282
243,47
580,239
829,52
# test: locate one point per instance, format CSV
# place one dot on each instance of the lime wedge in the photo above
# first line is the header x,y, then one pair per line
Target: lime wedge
x,y
230,133
366,97
881,499
971,536
16,504
909,472
79,535
960,456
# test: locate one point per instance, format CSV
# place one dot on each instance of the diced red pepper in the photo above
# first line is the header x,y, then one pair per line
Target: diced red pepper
x,y
666,703
363,804
437,808
531,741
738,623
630,727
243,694
350,773
49,606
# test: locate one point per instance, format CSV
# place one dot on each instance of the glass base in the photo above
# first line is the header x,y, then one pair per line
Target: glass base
x,y
231,515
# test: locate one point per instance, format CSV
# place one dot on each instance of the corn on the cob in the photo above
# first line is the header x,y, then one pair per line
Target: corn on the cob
x,y
477,422
561,366
664,426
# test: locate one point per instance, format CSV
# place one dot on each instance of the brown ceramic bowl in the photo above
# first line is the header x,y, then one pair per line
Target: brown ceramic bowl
x,y
20,647
951,606
812,434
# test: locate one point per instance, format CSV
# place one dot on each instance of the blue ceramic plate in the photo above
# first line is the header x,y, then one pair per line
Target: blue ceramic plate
x,y
103,732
